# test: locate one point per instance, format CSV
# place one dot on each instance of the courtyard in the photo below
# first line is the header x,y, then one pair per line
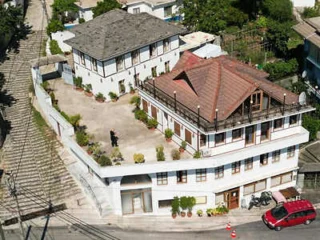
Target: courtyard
x,y
100,118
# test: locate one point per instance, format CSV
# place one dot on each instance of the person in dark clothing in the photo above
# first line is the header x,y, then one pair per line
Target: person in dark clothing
x,y
114,138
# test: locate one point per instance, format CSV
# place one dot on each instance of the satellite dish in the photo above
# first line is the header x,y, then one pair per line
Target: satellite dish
x,y
304,74
302,98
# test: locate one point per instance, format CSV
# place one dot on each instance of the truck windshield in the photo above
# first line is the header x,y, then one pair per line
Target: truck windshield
x,y
279,212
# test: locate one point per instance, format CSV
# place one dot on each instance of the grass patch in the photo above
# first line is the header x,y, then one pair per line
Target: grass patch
x,y
39,120
43,48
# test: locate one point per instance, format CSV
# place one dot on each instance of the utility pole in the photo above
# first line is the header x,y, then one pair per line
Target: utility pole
x,y
1,232
47,222
13,192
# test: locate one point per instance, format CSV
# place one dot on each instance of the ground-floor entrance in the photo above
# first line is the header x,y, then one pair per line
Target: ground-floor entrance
x,y
230,197
136,201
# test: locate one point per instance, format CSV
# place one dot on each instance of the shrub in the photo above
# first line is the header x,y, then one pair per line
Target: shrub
x,y
152,123
175,154
175,206
184,203
93,147
200,212
54,26
113,95
104,161
45,85
197,154
141,115
138,158
168,133
54,47
82,20
78,82
191,202
136,100
160,153
66,117
74,120
100,96
281,69
82,138
88,88
183,145
116,154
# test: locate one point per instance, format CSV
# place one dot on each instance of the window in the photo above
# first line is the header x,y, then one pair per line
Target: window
x,y
219,198
219,138
236,134
254,187
94,64
250,134
136,10
281,179
277,123
166,45
164,203
135,57
265,131
177,128
219,172
201,175
167,66
248,164
256,99
162,178
182,176
236,167
167,11
119,63
188,137
203,140
82,58
291,151
154,71
153,50
154,112
276,156
264,159
201,200
293,120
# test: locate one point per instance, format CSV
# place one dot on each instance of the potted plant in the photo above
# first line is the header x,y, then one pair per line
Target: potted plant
x,y
104,161
138,158
116,155
183,146
141,115
152,123
78,83
200,213
113,96
175,154
209,212
87,90
191,203
100,97
92,147
136,100
168,133
197,154
175,207
131,88
183,205
82,138
160,153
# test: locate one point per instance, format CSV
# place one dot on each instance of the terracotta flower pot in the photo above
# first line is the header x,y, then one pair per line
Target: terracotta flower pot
x,y
89,152
181,150
183,214
189,214
79,89
174,215
89,94
114,100
132,92
168,139
99,100
152,129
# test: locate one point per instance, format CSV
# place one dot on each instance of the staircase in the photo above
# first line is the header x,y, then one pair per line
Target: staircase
x,y
42,174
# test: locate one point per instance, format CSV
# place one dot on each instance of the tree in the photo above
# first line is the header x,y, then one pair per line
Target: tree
x,y
105,6
310,12
279,10
54,26
64,10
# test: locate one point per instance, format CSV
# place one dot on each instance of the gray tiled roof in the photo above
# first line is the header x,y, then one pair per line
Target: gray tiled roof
x,y
117,32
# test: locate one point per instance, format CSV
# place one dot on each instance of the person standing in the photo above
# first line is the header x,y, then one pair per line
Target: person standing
x,y
112,137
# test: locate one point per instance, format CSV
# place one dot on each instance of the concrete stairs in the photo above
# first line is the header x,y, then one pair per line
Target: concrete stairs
x,y
42,174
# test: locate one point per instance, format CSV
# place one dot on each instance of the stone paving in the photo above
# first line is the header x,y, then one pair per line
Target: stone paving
x,y
134,137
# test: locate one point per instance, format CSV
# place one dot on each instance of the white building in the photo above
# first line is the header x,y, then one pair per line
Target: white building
x,y
167,10
303,3
116,49
85,8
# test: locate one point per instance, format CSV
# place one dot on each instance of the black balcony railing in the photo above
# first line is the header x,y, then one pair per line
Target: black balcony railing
x,y
194,117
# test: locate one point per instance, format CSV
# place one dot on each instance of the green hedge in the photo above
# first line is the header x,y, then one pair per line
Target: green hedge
x,y
278,70
54,47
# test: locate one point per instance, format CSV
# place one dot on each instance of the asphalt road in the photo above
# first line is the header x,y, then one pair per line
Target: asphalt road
x,y
255,231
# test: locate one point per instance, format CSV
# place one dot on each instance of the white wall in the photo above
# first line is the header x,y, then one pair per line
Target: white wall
x,y
60,37
86,14
303,3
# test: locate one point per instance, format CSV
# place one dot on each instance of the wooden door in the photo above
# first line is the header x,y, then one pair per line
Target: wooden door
x,y
145,105
232,198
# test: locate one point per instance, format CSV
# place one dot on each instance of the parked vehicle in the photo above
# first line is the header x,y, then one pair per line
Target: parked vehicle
x,y
264,200
290,214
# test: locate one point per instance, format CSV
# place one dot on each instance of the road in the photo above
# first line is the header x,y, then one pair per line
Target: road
x,y
255,231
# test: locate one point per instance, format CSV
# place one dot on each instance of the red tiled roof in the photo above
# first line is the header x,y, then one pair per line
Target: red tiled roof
x,y
218,83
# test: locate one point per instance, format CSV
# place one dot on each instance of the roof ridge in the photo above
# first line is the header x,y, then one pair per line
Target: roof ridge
x,y
217,91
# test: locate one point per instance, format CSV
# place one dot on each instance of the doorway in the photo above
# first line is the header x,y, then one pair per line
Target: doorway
x,y
136,201
231,197
122,88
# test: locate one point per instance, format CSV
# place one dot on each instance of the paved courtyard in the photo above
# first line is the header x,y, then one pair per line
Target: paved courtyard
x,y
134,136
